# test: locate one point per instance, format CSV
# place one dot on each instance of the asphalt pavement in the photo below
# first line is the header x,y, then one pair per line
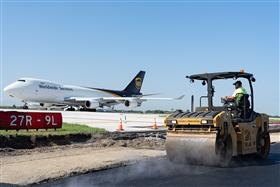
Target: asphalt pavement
x,y
247,172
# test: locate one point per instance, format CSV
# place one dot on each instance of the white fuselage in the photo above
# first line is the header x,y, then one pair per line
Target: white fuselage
x,y
42,91
48,94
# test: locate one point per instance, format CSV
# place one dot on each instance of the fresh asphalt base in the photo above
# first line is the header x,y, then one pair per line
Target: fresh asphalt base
x,y
246,172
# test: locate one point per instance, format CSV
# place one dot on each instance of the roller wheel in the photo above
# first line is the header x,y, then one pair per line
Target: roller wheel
x,y
263,145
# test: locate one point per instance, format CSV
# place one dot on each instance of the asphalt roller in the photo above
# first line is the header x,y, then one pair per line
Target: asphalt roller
x,y
212,135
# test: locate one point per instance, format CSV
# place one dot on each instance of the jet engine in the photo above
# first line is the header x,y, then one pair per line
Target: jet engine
x,y
92,104
132,103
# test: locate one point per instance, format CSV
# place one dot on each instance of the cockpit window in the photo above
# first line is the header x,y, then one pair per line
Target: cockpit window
x,y
21,80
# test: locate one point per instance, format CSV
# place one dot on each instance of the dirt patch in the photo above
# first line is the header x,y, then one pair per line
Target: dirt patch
x,y
14,145
30,142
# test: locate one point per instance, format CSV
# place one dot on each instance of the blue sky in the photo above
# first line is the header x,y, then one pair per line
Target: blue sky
x,y
104,44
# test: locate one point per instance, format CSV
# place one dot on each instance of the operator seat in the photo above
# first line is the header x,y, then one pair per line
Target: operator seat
x,y
243,107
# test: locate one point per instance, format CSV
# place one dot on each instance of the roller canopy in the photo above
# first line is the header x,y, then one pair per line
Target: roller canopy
x,y
220,75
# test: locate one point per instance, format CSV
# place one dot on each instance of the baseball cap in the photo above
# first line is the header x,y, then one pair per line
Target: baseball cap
x,y
237,82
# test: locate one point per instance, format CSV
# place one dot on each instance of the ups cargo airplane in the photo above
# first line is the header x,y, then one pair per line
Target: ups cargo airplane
x,y
50,94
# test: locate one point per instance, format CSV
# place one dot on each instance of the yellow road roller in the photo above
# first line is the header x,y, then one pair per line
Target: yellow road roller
x,y
212,135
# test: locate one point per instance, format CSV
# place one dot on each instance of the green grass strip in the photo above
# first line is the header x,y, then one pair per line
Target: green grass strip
x,y
67,128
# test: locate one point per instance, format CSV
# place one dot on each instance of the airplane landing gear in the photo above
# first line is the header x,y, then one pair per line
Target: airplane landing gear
x,y
70,109
88,110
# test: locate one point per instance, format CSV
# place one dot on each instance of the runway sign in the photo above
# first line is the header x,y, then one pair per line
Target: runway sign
x,y
12,120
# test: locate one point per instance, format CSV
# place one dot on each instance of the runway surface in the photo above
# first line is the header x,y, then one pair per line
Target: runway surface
x,y
160,172
110,121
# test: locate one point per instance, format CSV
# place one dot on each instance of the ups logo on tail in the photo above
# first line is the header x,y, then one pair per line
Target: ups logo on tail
x,y
138,83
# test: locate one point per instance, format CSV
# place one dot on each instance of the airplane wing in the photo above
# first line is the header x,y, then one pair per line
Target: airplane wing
x,y
77,99
133,102
162,98
70,99
150,94
141,98
95,102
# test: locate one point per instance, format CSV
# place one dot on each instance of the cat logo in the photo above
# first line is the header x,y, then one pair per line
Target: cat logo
x,y
138,83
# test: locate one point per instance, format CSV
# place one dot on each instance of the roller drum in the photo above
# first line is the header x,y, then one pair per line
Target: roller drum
x,y
194,148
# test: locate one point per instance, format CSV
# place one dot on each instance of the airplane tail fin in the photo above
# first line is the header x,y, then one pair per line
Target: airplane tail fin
x,y
134,87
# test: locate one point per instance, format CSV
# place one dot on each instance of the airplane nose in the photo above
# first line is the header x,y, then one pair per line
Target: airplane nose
x,y
10,89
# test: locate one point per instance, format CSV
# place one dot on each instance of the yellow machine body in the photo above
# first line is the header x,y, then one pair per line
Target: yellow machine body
x,y
214,134
193,137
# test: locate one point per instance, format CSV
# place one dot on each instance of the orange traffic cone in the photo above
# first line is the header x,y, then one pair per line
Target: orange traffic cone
x,y
155,125
120,126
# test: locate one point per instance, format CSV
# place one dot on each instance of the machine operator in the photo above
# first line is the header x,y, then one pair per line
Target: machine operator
x,y
238,92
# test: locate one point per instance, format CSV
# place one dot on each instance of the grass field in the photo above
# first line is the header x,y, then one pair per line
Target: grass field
x,y
67,128
274,120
